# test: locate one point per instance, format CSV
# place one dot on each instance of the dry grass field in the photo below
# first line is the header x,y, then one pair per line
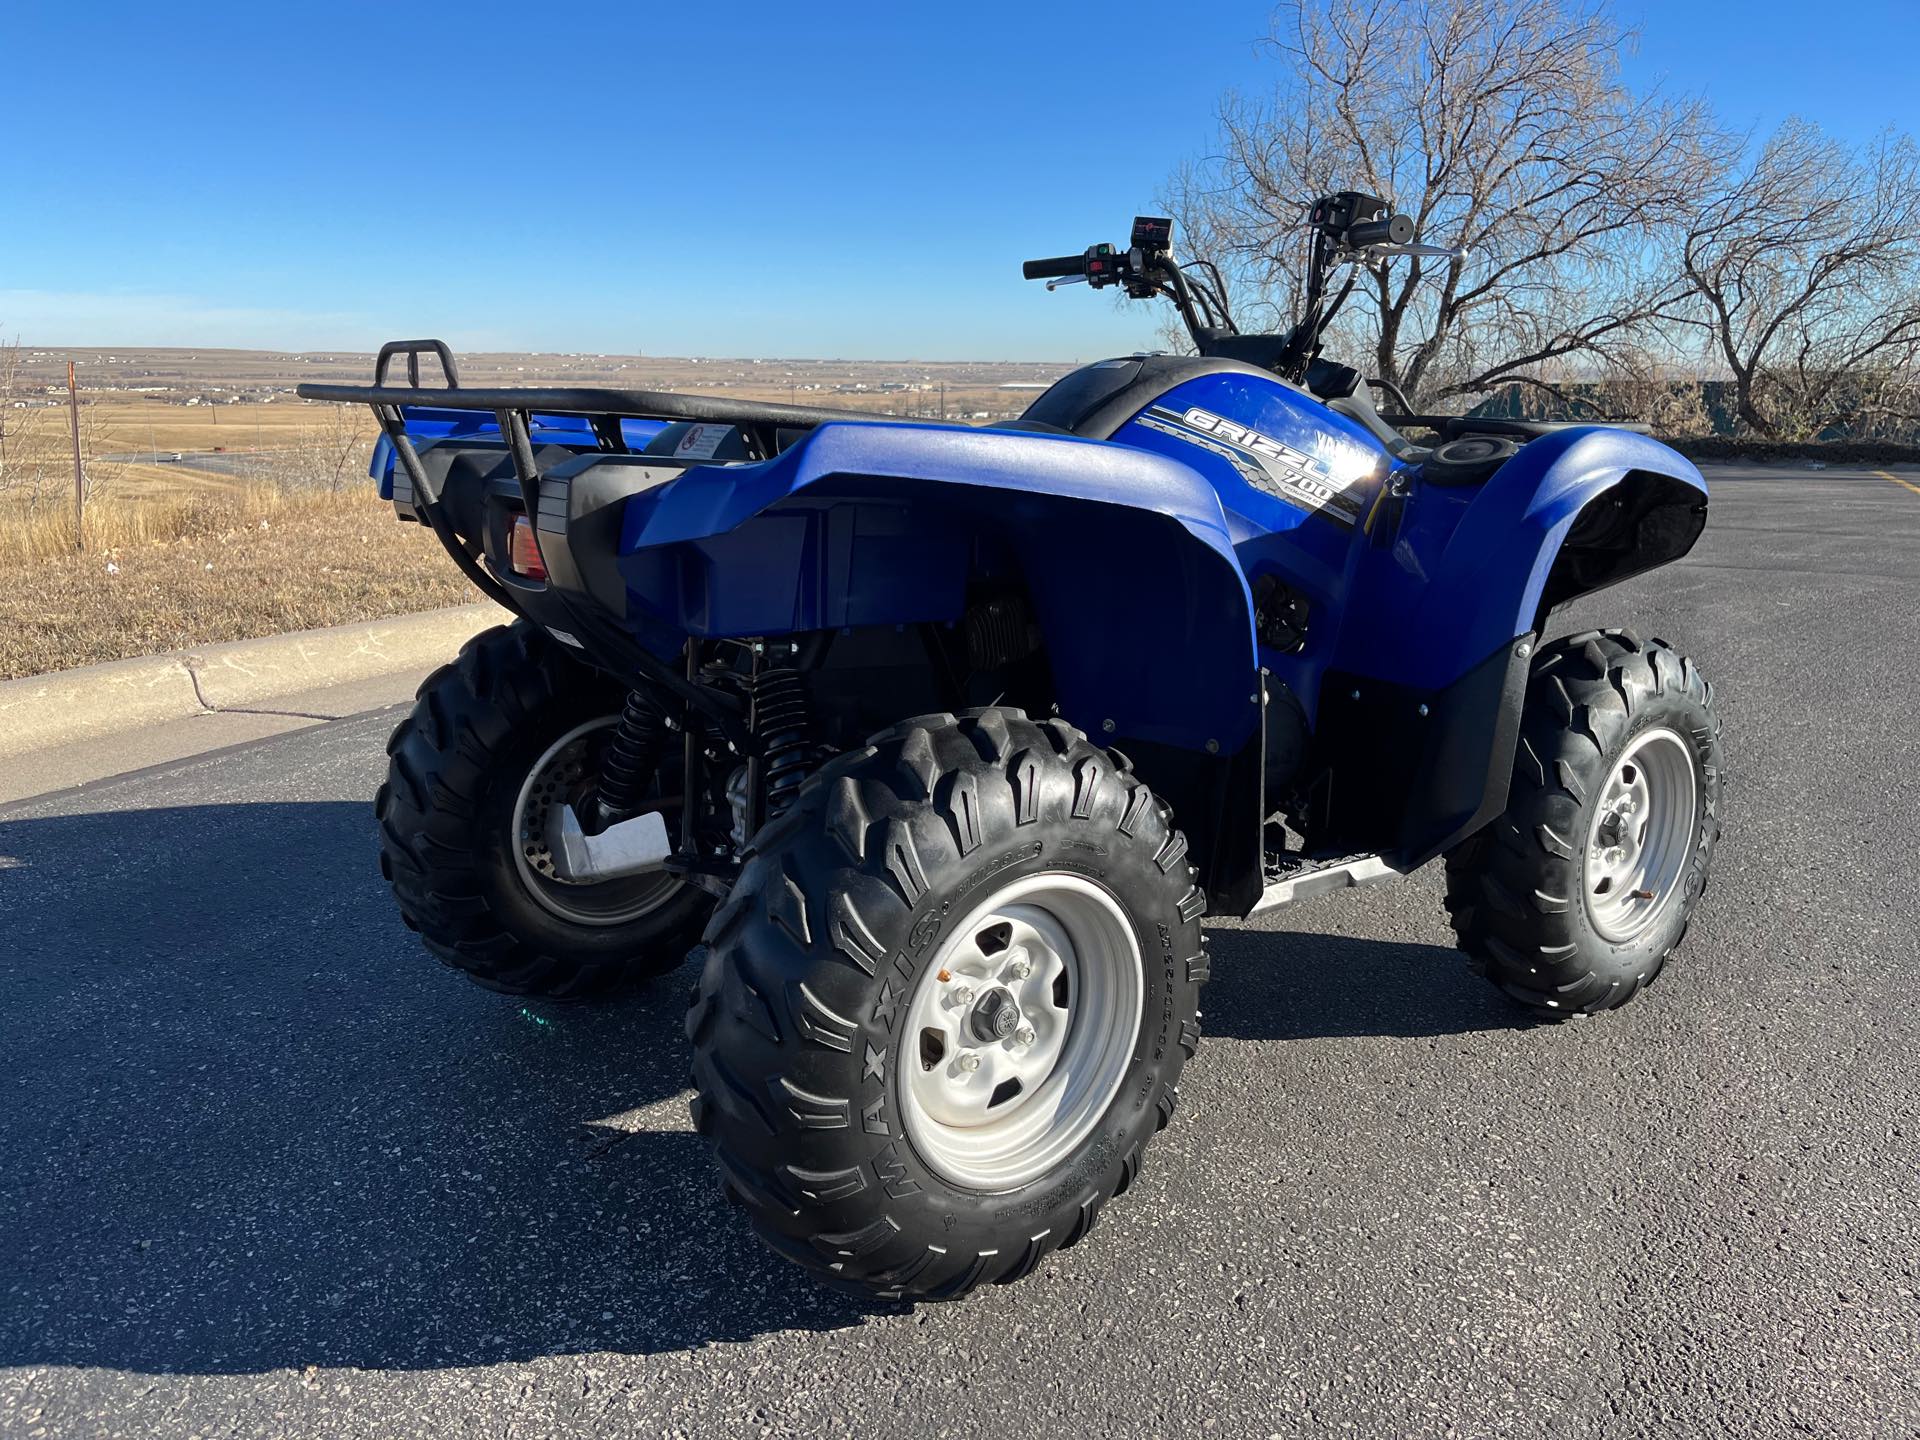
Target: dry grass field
x,y
255,563
268,523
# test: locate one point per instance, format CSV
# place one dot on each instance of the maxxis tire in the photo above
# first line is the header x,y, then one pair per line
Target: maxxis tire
x,y
1515,890
801,1010
455,766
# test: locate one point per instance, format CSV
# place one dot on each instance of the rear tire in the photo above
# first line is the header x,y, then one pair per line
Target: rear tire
x,y
830,1056
513,721
1573,899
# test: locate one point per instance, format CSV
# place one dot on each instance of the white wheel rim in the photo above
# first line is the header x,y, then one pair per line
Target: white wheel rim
x,y
536,835
1641,835
993,1103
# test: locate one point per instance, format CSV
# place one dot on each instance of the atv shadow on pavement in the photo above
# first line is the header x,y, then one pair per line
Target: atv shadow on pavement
x,y
1306,985
252,1128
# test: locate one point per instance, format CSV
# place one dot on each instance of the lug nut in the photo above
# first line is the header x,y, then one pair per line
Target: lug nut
x,y
1024,1035
969,1061
1019,966
963,994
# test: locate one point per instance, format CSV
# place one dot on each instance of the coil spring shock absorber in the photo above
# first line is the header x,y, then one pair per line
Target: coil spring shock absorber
x,y
632,756
783,723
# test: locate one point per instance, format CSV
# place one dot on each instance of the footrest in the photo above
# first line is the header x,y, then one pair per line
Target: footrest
x,y
1295,878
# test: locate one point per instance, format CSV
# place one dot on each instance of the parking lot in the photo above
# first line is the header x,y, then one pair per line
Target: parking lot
x,y
270,1170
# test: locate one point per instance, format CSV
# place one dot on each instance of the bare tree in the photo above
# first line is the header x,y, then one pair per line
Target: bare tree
x,y
1671,399
1806,261
1501,125
36,447
330,454
14,422
342,441
28,448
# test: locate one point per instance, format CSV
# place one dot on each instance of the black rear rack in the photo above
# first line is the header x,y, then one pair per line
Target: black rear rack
x,y
761,423
752,415
648,404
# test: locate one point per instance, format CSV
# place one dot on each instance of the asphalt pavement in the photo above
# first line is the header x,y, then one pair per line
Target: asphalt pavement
x,y
267,1169
240,463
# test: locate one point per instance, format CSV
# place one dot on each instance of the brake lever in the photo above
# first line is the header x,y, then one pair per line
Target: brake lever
x,y
1368,254
1066,280
1435,252
1415,247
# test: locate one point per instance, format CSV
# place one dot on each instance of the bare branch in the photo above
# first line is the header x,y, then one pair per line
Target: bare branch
x,y
1498,124
1806,259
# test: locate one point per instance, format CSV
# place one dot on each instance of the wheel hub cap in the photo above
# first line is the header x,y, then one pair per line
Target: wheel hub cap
x,y
995,1016
1021,1031
564,775
1642,834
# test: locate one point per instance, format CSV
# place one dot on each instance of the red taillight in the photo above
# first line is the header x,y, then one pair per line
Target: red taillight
x,y
523,550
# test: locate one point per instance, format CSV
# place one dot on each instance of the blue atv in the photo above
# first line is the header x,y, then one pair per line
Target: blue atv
x,y
936,745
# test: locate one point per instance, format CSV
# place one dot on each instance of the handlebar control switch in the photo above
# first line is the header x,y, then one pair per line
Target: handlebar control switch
x,y
1103,265
1335,214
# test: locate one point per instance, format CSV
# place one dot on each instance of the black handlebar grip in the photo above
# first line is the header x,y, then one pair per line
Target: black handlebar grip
x,y
1394,230
1055,268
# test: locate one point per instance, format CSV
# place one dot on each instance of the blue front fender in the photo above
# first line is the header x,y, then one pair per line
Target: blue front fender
x,y
1127,557
1468,570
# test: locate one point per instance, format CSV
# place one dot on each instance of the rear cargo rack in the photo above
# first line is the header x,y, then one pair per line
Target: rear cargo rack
x,y
761,424
650,404
759,420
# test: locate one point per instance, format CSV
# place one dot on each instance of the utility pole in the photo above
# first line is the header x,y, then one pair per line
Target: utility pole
x,y
79,474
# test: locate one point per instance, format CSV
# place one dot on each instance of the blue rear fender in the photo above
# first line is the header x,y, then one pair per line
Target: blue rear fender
x,y
1126,555
1469,571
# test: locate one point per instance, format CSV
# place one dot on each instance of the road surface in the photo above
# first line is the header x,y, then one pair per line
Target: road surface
x,y
269,1170
241,462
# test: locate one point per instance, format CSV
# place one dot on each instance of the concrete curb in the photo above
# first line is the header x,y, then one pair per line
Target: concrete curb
x,y
45,710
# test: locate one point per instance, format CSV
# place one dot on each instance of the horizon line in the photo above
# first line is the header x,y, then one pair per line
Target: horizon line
x,y
333,350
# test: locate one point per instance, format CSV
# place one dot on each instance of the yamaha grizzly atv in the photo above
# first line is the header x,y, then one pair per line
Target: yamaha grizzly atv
x,y
936,745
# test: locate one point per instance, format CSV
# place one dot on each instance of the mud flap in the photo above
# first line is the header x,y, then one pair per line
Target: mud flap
x,y
1414,771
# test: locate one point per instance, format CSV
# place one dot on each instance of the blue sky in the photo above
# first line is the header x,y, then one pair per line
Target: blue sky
x,y
722,179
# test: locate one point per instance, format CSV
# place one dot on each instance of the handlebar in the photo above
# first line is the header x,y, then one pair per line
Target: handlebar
x,y
1394,230
1144,269
1059,266
1350,229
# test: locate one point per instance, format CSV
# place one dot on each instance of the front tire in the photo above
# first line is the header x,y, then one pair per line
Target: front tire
x,y
947,1003
1573,899
496,740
